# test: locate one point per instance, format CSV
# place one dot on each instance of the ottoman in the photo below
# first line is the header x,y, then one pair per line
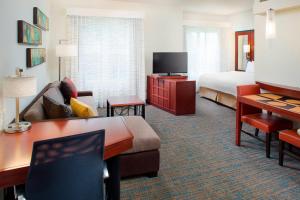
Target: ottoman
x,y
143,158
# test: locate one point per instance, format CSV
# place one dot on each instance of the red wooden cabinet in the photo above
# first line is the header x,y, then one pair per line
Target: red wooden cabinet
x,y
174,94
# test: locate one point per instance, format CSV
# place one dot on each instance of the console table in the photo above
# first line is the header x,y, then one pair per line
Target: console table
x,y
16,149
175,94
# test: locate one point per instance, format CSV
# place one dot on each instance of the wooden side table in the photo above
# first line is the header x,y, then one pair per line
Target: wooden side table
x,y
124,101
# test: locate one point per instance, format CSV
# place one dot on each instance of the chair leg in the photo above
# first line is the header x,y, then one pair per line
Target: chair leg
x,y
281,154
256,132
268,144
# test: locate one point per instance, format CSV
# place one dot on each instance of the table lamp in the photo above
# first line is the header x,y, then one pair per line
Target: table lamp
x,y
17,87
64,50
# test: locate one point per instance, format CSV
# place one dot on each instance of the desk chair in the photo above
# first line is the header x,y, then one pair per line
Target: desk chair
x,y
67,168
265,122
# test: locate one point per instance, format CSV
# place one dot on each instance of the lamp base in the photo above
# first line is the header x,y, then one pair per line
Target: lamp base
x,y
18,128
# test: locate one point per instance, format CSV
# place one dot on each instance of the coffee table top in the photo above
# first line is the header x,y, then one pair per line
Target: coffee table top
x,y
125,101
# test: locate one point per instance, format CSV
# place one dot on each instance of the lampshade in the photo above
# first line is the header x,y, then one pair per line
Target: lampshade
x,y
19,86
247,48
66,50
270,24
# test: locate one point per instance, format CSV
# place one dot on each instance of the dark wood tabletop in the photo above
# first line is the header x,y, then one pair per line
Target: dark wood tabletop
x,y
121,101
16,149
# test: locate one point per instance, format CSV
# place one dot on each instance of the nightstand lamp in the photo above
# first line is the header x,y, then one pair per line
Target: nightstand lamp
x,y
17,87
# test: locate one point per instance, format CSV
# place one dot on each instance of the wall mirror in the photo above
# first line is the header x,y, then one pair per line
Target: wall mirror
x,y
244,49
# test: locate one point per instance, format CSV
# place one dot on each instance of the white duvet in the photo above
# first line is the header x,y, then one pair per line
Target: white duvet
x,y
226,81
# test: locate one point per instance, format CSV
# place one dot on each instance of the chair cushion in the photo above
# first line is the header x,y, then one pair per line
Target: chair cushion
x,y
267,123
145,138
68,89
81,109
55,110
291,137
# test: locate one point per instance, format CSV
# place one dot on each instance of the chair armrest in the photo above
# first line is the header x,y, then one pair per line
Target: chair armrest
x,y
85,93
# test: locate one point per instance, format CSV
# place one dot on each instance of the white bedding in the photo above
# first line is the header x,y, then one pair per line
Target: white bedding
x,y
226,82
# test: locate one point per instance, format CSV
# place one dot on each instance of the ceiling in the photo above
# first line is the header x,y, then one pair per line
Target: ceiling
x,y
219,7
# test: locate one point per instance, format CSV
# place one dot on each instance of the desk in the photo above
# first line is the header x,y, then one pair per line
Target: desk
x,y
16,149
281,100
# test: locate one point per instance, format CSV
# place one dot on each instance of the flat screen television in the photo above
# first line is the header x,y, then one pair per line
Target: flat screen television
x,y
169,63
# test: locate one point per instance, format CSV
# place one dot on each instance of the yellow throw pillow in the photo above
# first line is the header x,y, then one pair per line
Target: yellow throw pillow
x,y
81,109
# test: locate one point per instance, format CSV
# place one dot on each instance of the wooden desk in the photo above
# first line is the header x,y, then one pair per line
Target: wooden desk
x,y
283,101
16,149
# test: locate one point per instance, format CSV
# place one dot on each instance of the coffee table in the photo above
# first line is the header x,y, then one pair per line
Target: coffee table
x,y
124,101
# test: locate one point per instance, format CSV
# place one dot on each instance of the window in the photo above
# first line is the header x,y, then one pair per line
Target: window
x,y
203,47
111,56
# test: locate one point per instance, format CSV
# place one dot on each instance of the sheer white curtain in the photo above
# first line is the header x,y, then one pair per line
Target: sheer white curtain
x,y
110,58
203,47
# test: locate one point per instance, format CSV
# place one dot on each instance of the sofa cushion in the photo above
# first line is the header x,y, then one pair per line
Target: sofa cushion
x,y
89,100
68,89
145,138
55,94
54,109
36,112
81,109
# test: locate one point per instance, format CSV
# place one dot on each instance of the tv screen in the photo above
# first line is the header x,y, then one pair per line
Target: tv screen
x,y
170,62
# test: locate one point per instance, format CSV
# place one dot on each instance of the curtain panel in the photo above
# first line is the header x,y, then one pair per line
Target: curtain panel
x,y
204,53
110,58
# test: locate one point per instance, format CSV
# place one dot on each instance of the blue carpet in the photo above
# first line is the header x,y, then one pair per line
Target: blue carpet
x,y
199,160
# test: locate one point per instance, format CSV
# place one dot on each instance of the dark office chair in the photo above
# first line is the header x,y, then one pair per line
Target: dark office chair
x,y
67,168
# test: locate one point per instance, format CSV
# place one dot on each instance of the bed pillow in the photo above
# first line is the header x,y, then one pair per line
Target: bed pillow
x,y
250,67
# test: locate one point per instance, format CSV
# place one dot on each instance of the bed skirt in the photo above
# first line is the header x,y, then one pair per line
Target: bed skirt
x,y
219,97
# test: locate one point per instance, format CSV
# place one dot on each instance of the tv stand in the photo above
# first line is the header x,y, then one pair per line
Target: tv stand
x,y
175,94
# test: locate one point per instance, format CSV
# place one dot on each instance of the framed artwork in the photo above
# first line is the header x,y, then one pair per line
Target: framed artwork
x,y
29,34
40,19
35,56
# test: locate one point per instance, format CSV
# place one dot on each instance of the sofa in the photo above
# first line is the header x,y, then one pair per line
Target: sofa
x,y
142,159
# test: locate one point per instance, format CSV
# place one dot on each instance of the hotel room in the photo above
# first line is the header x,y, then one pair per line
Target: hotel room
x,y
149,99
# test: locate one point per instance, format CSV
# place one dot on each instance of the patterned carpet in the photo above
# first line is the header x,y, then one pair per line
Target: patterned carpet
x,y
199,160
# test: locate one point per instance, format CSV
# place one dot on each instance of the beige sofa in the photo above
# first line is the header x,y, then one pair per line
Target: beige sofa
x,y
142,159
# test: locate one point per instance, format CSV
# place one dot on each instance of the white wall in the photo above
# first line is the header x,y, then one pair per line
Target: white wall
x,y
242,21
278,60
162,25
13,55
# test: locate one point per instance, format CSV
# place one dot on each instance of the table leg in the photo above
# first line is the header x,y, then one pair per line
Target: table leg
x,y
113,182
238,124
107,109
143,111
135,110
112,111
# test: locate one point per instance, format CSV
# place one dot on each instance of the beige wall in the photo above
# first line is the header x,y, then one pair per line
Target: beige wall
x,y
278,60
13,55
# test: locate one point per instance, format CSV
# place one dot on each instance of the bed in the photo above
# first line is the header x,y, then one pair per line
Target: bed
x,y
221,87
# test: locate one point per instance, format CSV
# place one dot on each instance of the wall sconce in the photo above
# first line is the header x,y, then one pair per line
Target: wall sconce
x,y
270,24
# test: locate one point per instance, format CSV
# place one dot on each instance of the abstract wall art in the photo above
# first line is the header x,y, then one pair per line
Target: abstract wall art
x,y
35,56
29,34
40,19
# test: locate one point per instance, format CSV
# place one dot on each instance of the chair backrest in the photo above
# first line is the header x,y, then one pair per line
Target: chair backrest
x,y
248,90
67,168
